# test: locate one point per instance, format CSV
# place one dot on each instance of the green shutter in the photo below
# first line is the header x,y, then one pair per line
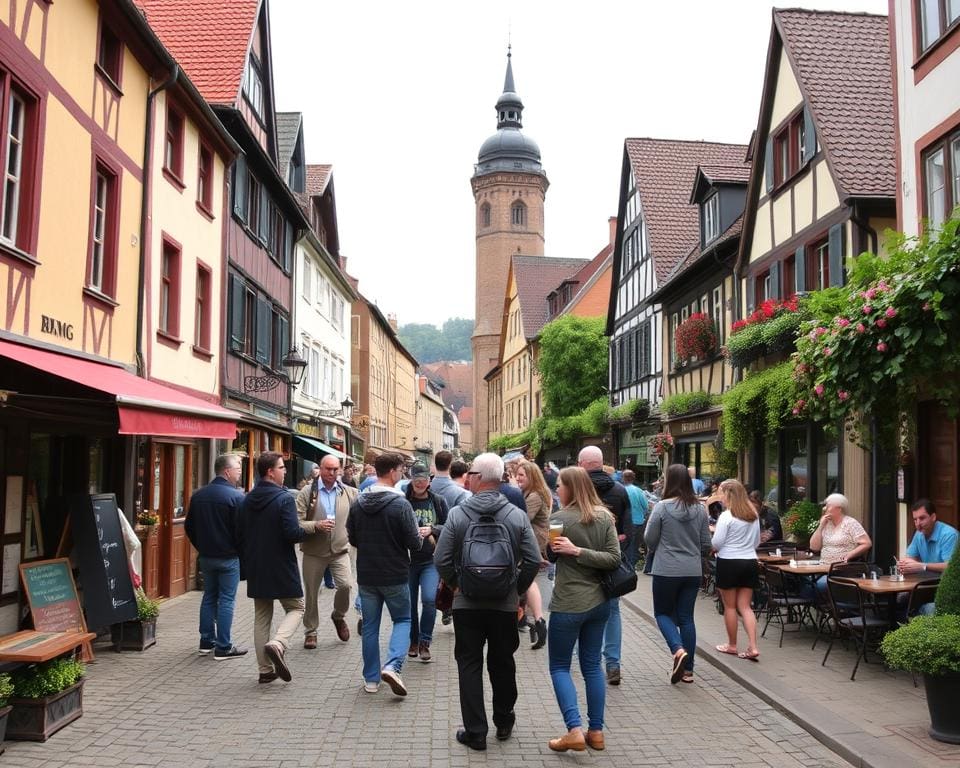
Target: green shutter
x,y
768,164
775,292
751,293
800,268
809,134
237,309
837,247
264,331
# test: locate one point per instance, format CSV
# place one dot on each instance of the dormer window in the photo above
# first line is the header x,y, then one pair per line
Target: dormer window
x,y
253,86
711,217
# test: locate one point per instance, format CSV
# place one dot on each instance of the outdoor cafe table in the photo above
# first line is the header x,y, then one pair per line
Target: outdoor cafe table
x,y
891,587
30,646
814,569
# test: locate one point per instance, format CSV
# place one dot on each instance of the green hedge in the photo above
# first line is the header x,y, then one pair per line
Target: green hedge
x,y
948,593
687,402
758,405
746,345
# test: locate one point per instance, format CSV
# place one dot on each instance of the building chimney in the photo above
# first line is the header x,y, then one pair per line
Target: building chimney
x,y
392,319
612,222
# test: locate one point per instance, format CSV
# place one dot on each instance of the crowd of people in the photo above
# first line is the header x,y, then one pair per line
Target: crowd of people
x,y
502,543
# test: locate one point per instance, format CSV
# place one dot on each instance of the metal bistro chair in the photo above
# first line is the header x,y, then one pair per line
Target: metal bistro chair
x,y
849,570
850,619
782,597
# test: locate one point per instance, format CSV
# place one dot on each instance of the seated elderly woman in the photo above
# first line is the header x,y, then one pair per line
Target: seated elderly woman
x,y
838,537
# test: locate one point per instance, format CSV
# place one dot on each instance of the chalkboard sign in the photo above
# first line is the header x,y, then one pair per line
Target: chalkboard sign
x,y
108,596
52,596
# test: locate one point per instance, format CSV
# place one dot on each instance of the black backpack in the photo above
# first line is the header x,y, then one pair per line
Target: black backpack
x,y
488,559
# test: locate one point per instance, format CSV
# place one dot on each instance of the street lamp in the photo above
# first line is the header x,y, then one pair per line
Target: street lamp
x,y
295,367
347,406
346,410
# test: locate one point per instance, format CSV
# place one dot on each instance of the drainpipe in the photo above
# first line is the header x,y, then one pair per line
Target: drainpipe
x,y
144,209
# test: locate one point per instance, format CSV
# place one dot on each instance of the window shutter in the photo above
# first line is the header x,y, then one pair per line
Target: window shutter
x,y
289,234
800,268
266,213
775,291
836,245
284,338
768,164
237,307
809,134
240,187
751,292
264,331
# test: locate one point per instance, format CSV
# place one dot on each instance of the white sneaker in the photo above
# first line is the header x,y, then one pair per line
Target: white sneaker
x,y
371,687
392,678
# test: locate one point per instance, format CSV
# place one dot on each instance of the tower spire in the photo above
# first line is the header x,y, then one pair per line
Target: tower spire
x,y
509,106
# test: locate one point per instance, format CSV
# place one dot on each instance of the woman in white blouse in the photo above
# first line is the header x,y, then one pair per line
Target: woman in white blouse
x,y
735,541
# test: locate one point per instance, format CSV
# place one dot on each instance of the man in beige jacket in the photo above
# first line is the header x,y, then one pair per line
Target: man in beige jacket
x,y
327,501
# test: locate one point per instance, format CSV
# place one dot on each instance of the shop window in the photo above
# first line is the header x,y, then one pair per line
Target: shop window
x,y
828,467
797,459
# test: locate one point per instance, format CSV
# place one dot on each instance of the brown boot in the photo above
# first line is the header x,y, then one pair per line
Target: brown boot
x,y
424,651
595,740
413,651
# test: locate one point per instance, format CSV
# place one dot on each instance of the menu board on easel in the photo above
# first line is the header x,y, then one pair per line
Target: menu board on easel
x,y
52,596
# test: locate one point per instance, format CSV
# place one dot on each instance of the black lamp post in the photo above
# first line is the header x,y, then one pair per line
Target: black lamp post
x,y
294,366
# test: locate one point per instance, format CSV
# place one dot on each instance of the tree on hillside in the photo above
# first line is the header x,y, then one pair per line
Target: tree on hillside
x,y
429,344
572,364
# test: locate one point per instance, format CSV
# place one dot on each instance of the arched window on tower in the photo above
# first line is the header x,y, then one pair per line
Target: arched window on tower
x,y
518,214
485,215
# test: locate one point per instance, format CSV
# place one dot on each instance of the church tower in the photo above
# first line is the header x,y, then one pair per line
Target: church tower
x,y
509,187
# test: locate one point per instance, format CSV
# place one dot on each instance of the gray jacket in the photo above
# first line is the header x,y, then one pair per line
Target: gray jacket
x,y
447,554
452,493
678,536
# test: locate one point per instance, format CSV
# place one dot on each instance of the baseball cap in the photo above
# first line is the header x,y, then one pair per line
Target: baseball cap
x,y
419,470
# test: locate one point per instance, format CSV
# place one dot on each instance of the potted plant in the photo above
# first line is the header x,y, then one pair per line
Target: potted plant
x,y
140,633
930,645
801,521
148,518
46,697
6,691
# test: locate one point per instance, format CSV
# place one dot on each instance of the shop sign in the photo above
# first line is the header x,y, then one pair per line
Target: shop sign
x,y
59,328
635,438
694,426
308,429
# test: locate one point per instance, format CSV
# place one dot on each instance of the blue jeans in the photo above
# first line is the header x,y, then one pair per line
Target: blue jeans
x,y
425,580
674,598
612,636
372,599
565,631
221,575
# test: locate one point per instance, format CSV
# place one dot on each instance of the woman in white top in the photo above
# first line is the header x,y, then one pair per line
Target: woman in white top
x,y
735,541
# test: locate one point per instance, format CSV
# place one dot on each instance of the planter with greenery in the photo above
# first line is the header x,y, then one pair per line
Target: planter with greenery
x,y
771,328
930,645
6,691
629,412
141,633
801,520
46,697
759,405
695,338
687,402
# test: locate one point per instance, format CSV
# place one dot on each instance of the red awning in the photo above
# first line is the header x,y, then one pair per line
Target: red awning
x,y
145,407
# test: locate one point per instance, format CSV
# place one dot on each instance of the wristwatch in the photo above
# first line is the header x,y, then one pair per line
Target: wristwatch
x,y
924,567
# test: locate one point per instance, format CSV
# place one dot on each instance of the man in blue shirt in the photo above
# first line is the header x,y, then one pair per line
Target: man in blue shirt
x,y
638,511
698,486
932,544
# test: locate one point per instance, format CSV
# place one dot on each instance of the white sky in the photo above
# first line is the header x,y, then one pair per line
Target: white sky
x,y
399,96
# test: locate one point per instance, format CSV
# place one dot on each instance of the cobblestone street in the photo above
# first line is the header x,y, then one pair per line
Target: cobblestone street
x,y
170,706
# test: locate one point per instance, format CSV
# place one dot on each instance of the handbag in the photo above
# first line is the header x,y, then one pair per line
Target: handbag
x,y
620,581
444,599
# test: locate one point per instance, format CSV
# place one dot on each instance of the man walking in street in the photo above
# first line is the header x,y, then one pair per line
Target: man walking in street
x,y
383,528
638,514
486,613
443,485
267,530
615,498
326,502
211,526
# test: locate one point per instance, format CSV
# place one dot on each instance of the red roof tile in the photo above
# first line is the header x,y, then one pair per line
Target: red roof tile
x,y
842,62
536,277
317,178
731,174
665,170
466,415
457,380
208,38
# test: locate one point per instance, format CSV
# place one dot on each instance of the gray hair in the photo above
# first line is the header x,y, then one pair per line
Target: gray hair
x,y
489,467
223,461
838,500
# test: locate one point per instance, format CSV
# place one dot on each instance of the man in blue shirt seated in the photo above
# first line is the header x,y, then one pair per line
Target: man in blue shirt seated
x,y
932,544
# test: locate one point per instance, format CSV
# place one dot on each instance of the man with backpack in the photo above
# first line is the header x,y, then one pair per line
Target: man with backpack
x,y
488,552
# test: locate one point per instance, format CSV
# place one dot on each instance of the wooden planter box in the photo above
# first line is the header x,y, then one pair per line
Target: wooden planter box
x,y
39,719
4,711
134,635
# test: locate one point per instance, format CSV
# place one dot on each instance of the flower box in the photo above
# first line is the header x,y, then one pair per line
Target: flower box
x,y
134,635
39,719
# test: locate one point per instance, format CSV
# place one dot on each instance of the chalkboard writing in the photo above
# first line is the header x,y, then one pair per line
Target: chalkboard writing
x,y
108,596
52,595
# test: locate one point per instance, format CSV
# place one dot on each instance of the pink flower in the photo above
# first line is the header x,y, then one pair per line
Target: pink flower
x,y
882,346
827,352
801,402
882,286
867,309
881,323
926,306
843,395
818,390
861,328
796,411
869,293
891,312
843,322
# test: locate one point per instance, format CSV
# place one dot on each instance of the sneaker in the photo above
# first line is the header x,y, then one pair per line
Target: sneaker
x,y
267,677
371,687
424,650
274,652
205,649
392,678
447,618
231,653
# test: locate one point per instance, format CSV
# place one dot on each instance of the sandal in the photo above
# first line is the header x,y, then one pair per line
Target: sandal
x,y
687,677
731,649
678,670
750,655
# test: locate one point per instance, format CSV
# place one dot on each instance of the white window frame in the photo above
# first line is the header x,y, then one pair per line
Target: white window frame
x,y
13,172
98,246
711,217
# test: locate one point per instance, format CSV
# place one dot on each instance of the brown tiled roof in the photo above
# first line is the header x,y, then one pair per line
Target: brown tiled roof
x,y
732,174
465,416
583,276
731,232
536,276
317,178
208,38
665,170
457,380
842,62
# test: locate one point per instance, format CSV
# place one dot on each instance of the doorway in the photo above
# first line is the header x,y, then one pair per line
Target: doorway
x,y
166,572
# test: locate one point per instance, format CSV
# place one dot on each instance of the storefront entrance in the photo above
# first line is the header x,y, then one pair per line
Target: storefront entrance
x,y
937,462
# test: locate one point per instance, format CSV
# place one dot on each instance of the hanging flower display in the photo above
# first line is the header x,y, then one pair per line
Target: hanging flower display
x,y
695,337
661,443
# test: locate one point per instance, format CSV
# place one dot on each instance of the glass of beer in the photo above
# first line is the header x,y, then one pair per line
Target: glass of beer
x,y
556,530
